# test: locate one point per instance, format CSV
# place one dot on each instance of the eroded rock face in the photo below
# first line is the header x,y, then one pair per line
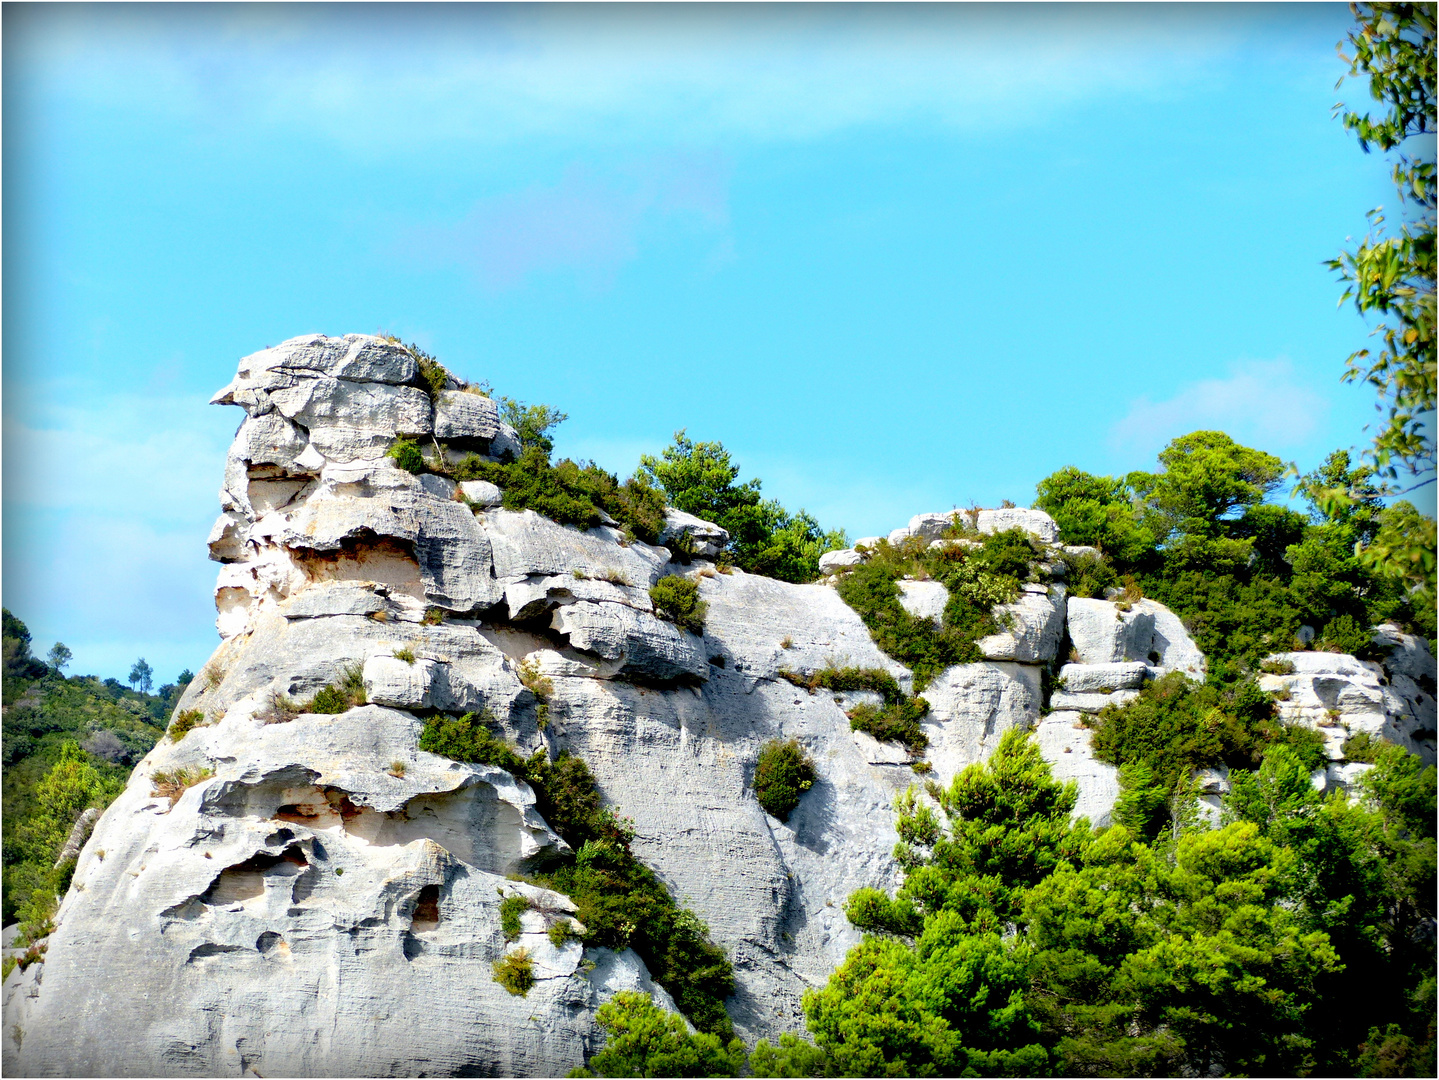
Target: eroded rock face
x,y
323,898
1340,696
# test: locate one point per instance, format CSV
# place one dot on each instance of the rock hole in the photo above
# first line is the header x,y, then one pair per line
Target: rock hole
x,y
246,880
199,952
412,946
267,942
427,910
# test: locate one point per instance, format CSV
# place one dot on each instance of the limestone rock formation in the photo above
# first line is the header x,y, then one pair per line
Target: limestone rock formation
x,y
1340,697
292,893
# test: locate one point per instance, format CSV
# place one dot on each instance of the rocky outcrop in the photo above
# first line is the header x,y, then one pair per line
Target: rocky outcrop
x,y
283,892
1340,697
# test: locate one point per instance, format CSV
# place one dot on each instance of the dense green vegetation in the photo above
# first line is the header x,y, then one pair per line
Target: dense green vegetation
x,y
69,743
1244,574
698,478
620,901
977,577
1391,272
1291,940
644,1040
677,599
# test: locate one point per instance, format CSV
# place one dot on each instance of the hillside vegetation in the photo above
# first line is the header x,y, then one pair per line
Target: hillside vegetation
x,y
69,743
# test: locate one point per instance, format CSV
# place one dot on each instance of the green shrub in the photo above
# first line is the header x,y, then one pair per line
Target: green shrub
x,y
407,655
516,972
184,723
561,932
511,908
876,913
340,696
898,722
1344,635
845,679
406,454
1176,725
468,738
644,1040
619,900
677,599
783,773
1361,746
1089,576
765,538
1307,745
1277,667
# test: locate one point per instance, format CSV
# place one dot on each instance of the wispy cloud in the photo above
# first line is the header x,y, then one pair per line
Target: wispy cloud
x,y
589,223
362,75
1261,402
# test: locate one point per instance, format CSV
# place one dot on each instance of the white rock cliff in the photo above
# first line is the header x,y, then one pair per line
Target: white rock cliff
x,y
324,898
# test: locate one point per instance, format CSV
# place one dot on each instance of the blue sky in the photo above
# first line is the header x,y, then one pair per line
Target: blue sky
x,y
896,258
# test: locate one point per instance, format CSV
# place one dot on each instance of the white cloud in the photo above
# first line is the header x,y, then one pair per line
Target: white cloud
x,y
1262,403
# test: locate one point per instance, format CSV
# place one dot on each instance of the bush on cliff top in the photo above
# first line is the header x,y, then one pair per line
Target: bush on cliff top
x,y
765,538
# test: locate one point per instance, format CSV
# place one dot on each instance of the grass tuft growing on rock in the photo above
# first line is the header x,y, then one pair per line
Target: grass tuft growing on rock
x,y
619,900
511,908
406,455
846,678
340,696
896,721
172,783
184,723
783,773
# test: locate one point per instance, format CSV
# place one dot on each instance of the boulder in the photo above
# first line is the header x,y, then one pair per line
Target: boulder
x,y
707,538
462,415
1090,703
481,492
395,682
1171,642
1035,522
1102,633
644,644
924,599
931,526
1035,627
832,562
1102,678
